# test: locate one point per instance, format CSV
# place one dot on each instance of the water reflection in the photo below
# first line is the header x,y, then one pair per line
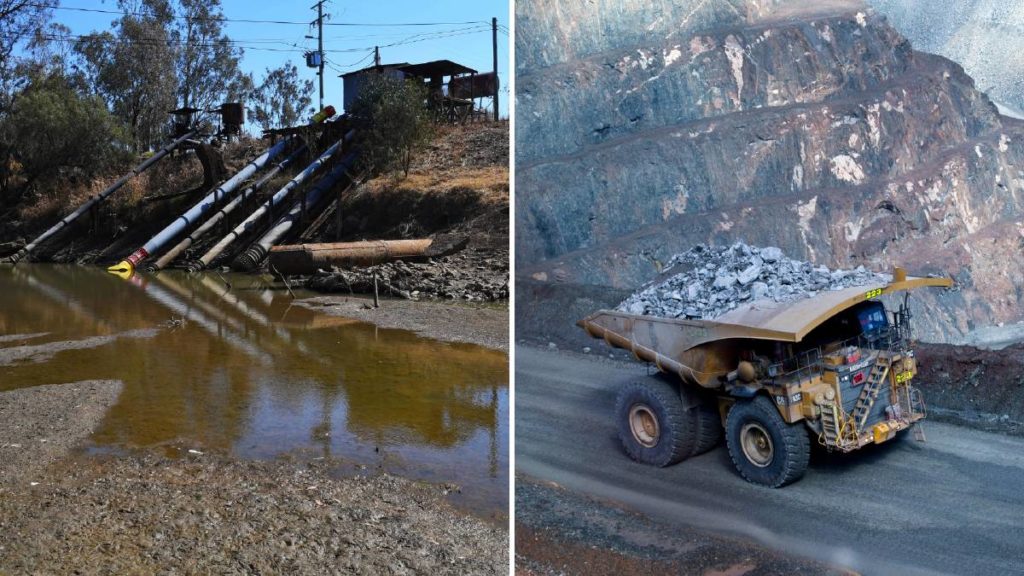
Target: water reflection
x,y
239,367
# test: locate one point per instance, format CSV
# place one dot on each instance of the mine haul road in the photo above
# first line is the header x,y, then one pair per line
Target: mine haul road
x,y
951,505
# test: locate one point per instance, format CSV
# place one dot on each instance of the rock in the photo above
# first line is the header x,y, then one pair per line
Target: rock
x,y
724,281
758,291
552,346
586,349
771,254
749,274
765,273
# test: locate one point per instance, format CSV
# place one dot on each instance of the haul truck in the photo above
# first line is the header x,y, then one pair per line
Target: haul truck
x,y
833,368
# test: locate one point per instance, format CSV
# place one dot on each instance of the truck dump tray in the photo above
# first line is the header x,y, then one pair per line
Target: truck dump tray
x,y
699,350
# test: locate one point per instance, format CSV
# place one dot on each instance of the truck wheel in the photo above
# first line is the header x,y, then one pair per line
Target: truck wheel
x,y
708,426
763,447
654,426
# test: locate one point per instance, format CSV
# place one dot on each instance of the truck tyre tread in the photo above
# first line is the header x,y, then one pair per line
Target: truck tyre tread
x,y
792,448
708,427
677,426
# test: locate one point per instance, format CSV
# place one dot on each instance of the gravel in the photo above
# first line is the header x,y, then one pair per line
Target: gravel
x,y
145,514
472,275
40,425
717,280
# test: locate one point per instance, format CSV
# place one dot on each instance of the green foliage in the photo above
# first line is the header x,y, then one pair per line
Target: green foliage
x,y
281,99
19,20
53,130
132,69
206,62
164,55
392,122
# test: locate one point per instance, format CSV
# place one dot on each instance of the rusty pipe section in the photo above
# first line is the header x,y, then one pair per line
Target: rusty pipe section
x,y
221,214
307,258
100,197
257,253
279,197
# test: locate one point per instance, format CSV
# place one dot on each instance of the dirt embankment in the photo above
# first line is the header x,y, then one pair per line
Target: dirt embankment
x,y
457,188
139,513
974,387
130,216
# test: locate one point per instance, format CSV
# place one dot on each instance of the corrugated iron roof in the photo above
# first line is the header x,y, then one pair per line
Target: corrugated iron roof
x,y
375,69
436,68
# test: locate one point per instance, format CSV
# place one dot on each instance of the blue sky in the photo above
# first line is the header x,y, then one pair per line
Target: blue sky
x,y
463,36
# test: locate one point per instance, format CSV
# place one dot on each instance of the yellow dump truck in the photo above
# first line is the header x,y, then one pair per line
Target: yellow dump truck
x,y
836,368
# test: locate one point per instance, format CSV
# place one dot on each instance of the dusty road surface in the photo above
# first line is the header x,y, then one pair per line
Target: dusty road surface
x,y
952,505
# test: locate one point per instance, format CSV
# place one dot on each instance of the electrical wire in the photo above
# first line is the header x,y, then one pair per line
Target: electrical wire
x,y
251,21
347,67
242,43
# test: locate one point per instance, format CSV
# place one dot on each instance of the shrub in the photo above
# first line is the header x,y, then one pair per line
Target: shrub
x,y
392,122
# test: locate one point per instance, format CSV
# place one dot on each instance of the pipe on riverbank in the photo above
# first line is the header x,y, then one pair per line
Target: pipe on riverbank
x,y
254,256
223,213
278,198
307,258
100,197
128,265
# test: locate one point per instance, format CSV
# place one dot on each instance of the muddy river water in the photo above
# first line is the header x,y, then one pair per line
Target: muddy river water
x,y
231,364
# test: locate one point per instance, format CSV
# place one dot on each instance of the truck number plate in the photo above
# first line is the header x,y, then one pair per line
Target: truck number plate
x,y
873,293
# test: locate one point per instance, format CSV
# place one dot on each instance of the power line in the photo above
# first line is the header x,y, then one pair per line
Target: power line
x,y
250,21
347,67
240,43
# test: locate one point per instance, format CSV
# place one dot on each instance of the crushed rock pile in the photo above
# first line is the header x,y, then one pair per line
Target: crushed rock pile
x,y
718,280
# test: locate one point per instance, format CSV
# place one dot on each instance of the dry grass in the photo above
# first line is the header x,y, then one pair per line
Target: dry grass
x,y
468,160
490,183
169,176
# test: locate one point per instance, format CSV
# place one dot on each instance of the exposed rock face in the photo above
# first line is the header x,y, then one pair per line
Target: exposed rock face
x,y
984,36
824,134
713,281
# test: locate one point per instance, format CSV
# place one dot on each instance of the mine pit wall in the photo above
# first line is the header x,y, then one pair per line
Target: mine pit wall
x,y
895,160
680,80
550,33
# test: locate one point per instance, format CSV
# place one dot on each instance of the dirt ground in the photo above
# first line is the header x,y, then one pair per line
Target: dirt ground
x,y
974,387
485,325
38,426
562,532
65,512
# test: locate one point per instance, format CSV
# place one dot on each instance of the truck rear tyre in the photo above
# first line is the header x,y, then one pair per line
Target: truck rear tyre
x,y
763,447
708,425
654,426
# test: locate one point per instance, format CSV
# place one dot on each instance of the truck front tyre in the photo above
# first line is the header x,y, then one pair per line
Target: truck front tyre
x,y
654,426
763,447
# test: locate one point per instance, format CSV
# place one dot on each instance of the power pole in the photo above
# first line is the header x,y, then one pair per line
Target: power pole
x,y
376,56
320,46
494,42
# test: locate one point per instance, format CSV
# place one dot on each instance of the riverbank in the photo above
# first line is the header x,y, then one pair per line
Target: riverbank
x,y
485,325
63,511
